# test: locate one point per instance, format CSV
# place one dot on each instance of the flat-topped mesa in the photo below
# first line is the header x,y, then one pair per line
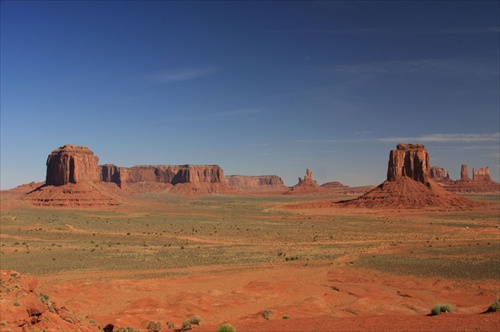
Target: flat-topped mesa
x,y
256,183
481,174
438,173
72,164
409,160
172,174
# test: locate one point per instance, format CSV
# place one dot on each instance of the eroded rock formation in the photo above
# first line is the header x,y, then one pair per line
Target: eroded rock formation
x,y
71,164
307,184
464,173
183,179
258,183
409,160
408,184
480,183
481,174
439,174
72,181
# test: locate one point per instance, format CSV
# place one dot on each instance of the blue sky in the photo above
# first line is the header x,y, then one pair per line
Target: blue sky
x,y
255,87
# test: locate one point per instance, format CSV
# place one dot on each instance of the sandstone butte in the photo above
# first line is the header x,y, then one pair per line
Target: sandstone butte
x,y
409,185
258,183
307,184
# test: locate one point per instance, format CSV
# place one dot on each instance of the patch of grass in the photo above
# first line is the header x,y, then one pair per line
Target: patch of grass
x,y
440,308
286,317
226,327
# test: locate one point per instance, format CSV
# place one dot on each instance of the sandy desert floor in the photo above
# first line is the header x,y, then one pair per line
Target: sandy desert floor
x,y
165,258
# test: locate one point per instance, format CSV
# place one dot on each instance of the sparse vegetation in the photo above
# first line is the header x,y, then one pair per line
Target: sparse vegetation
x,y
127,329
268,314
154,326
226,327
440,308
494,307
286,317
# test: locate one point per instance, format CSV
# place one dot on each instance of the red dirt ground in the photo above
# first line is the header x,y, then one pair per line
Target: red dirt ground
x,y
315,297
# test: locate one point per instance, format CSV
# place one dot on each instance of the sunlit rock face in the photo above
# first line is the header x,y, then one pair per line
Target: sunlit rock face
x,y
72,164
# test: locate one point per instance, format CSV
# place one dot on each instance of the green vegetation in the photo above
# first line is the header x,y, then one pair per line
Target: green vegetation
x,y
440,308
286,317
226,327
494,307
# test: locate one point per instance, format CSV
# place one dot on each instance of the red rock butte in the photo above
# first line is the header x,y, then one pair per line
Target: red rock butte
x,y
71,164
408,184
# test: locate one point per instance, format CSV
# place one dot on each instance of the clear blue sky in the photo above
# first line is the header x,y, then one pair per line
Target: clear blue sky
x,y
255,87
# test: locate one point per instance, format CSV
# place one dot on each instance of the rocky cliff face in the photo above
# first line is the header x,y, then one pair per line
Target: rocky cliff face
x,y
481,174
438,173
256,183
162,174
72,164
464,173
409,160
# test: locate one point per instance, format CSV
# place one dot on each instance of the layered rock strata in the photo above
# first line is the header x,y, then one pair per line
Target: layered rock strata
x,y
72,181
71,164
260,183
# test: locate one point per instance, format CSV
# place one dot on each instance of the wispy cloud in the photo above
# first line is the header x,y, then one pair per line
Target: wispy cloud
x,y
446,138
180,75
434,138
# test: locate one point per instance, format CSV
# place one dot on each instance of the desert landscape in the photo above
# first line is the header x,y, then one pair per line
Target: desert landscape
x,y
176,248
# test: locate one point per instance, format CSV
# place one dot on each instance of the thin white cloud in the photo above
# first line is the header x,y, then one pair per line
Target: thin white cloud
x,y
446,138
435,138
180,75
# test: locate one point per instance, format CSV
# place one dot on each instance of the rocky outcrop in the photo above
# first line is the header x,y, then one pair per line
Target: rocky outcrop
x,y
307,184
409,160
439,174
189,179
464,173
26,309
481,174
258,183
72,181
408,185
71,164
480,183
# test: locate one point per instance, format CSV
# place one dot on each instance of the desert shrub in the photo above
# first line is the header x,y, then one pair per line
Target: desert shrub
x,y
226,327
494,307
154,326
286,317
126,329
268,314
194,320
440,308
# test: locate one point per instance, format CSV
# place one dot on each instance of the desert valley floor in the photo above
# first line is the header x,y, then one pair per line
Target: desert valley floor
x,y
237,258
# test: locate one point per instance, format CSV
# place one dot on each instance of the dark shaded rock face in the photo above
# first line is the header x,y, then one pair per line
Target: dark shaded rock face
x,y
72,164
409,160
